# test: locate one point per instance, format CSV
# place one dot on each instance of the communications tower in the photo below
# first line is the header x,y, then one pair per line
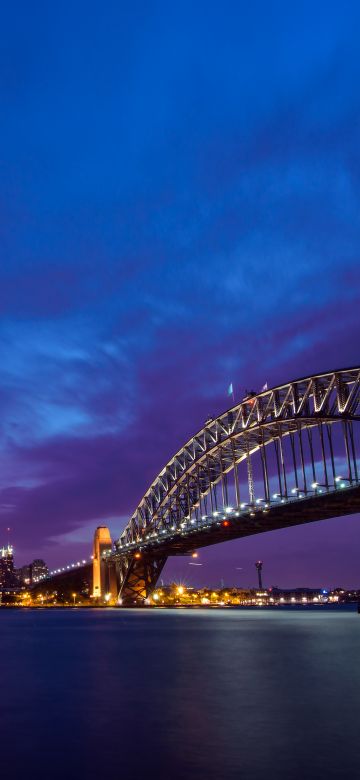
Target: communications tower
x,y
259,565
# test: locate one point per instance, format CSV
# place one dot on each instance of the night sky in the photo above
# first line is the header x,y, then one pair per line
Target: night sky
x,y
180,189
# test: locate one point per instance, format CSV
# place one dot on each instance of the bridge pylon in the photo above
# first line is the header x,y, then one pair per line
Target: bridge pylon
x,y
102,575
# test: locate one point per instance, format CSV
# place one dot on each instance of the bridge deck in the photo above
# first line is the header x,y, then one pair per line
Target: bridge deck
x,y
235,525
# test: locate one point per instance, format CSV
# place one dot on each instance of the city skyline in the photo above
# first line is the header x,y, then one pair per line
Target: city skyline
x,y
173,223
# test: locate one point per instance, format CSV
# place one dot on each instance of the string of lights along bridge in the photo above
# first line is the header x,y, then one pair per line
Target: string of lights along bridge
x,y
282,457
68,567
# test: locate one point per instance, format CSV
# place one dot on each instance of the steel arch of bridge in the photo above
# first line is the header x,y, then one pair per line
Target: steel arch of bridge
x,y
193,485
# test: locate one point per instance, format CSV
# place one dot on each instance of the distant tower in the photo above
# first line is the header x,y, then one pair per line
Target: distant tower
x,y
259,565
6,566
102,544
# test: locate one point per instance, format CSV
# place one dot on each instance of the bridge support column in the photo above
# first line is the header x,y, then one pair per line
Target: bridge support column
x,y
102,544
138,577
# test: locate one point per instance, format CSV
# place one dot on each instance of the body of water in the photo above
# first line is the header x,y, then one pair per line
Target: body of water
x,y
222,694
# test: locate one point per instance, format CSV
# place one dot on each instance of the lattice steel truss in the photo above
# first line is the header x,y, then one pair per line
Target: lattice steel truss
x,y
186,488
137,577
192,503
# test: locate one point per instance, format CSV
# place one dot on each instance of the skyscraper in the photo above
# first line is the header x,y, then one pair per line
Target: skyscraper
x,y
39,570
7,574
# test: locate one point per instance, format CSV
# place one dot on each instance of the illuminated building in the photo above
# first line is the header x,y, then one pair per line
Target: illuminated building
x,y
24,574
39,570
32,572
7,575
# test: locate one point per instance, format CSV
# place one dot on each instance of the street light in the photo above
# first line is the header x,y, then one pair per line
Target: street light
x,y
74,597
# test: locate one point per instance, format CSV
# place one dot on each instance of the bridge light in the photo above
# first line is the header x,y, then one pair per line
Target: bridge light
x,y
137,555
194,555
342,480
242,506
229,509
314,484
215,514
226,523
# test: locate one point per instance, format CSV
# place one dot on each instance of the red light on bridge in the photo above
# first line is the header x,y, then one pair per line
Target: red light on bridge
x,y
226,523
137,555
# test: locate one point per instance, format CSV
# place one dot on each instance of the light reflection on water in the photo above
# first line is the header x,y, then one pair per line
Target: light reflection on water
x,y
180,694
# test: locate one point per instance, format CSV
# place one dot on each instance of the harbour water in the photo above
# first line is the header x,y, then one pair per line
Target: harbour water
x,y
223,694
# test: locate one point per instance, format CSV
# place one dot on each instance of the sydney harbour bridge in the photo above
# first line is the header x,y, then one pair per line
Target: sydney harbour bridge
x,y
282,457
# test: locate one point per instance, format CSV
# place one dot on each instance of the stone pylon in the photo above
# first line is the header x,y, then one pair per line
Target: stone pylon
x,y
102,545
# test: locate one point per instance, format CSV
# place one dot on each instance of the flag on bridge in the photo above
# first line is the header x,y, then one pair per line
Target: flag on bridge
x,y
231,391
265,387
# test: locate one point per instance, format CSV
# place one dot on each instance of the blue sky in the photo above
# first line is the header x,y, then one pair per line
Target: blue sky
x,y
179,201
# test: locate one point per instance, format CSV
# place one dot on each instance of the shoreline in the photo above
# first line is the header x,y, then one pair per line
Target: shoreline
x,y
351,606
